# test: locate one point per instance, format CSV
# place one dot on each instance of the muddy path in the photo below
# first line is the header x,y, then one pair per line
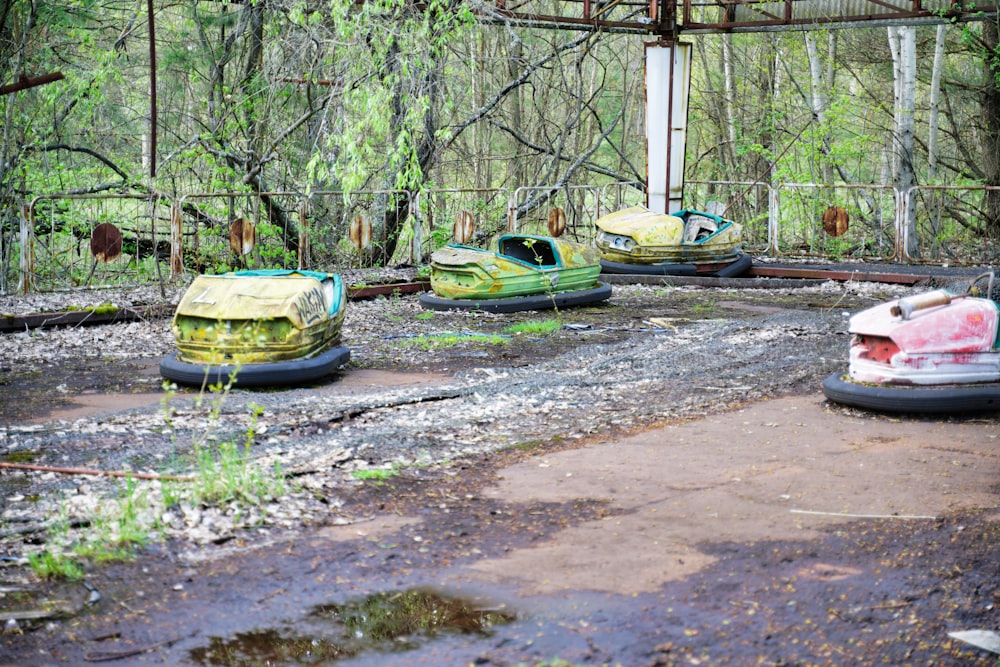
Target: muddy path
x,y
661,483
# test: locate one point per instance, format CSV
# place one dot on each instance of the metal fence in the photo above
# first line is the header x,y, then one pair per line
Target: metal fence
x,y
78,241
63,242
947,224
569,211
748,203
470,216
856,221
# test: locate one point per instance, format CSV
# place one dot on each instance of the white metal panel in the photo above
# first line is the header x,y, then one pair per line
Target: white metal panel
x,y
666,124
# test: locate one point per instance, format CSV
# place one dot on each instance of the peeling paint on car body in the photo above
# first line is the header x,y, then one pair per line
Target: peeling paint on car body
x,y
637,235
252,317
522,265
954,343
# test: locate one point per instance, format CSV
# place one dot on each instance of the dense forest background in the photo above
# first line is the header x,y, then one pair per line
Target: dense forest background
x,y
283,96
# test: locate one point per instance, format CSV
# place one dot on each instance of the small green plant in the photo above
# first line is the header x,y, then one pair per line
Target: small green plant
x,y
535,327
56,563
117,528
437,341
428,315
224,473
376,474
50,565
227,472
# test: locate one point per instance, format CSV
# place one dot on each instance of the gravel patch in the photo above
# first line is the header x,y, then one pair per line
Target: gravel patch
x,y
652,354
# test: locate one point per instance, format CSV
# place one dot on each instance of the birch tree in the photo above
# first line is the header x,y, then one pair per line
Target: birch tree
x,y
821,82
902,44
934,95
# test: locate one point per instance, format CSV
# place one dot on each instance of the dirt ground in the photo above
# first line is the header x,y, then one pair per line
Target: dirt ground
x,y
677,491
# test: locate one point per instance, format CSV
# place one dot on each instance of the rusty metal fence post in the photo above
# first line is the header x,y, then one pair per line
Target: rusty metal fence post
x,y
176,241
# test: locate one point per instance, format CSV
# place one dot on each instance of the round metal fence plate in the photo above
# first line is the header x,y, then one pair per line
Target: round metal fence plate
x,y
242,236
105,242
464,228
835,220
360,232
557,222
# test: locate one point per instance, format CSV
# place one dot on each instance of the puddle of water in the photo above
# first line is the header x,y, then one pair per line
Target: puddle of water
x,y
367,378
393,621
88,405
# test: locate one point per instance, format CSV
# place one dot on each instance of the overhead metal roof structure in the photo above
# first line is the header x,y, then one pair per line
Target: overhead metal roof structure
x,y
672,18
761,15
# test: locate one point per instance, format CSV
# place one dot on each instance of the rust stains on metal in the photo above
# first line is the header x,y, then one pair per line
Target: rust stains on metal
x,y
372,291
557,222
105,242
361,232
464,227
838,274
242,237
12,323
835,220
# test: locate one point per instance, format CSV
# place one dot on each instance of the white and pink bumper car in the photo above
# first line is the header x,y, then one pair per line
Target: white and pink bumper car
x,y
933,352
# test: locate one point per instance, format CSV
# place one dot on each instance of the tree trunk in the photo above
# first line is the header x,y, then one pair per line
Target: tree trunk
x,y
822,80
935,103
990,103
729,95
903,44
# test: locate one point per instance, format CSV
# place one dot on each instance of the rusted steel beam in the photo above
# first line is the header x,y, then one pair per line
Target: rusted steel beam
x,y
73,318
92,471
843,275
26,82
767,15
372,291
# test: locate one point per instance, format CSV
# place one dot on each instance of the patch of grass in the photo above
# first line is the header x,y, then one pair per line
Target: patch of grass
x,y
535,327
703,307
56,563
117,527
227,472
112,531
50,565
376,474
224,473
529,446
427,315
437,341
